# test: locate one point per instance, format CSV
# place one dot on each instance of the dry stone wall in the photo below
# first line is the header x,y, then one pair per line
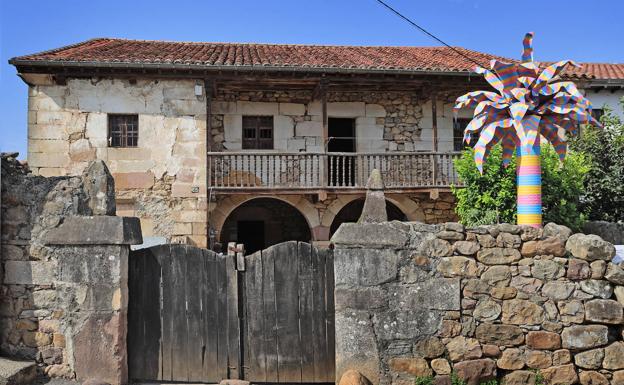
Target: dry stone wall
x,y
498,302
64,262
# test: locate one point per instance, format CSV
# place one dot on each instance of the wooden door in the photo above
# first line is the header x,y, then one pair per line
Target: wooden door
x,y
183,322
288,333
193,318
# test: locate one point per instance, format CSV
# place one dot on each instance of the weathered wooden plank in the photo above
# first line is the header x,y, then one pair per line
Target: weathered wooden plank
x,y
152,327
233,321
319,323
330,315
306,311
286,291
135,320
222,318
166,312
210,319
255,341
180,329
270,311
195,335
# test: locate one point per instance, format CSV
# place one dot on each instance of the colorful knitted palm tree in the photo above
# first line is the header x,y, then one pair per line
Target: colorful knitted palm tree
x,y
530,102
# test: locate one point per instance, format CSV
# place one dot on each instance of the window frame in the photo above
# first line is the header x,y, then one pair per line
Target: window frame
x,y
260,129
127,138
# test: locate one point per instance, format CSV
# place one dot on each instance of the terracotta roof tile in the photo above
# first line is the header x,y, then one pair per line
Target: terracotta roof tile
x,y
106,50
243,55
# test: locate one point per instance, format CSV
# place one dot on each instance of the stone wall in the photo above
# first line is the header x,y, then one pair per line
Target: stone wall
x,y
491,302
64,272
163,180
384,121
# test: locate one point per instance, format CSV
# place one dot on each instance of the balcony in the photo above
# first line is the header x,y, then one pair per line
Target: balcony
x,y
247,171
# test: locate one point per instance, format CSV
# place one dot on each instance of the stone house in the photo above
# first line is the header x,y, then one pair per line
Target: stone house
x,y
256,143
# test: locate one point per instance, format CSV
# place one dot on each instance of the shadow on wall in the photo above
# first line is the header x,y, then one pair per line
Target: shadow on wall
x,y
263,222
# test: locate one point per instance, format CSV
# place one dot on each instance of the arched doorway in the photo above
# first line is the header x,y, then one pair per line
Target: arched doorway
x,y
263,222
351,213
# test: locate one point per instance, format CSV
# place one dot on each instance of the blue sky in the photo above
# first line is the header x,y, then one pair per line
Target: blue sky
x,y
580,30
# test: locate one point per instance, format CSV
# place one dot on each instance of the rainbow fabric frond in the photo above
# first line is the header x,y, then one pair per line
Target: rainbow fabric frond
x,y
529,103
529,100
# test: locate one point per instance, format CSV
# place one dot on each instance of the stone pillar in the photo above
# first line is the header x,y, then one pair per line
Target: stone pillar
x,y
92,292
387,299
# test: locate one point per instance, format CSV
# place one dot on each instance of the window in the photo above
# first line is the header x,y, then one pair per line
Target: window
x,y
459,125
258,132
123,130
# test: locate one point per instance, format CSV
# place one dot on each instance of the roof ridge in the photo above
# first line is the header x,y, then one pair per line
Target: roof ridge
x,y
252,44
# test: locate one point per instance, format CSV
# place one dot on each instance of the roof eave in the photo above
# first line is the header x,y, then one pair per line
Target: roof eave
x,y
233,68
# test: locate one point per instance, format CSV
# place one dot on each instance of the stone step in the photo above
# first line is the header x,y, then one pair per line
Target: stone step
x,y
13,372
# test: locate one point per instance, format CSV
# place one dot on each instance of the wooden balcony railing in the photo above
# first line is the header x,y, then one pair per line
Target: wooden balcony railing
x,y
292,171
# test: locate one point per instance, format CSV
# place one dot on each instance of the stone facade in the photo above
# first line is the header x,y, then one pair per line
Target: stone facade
x,y
163,180
490,302
384,121
64,273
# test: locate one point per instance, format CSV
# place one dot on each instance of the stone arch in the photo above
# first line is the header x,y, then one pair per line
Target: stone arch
x,y
225,207
351,211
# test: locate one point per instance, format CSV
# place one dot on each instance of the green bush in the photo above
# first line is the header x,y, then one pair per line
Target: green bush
x,y
491,198
427,380
604,183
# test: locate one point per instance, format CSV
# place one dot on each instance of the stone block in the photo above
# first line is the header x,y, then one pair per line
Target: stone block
x,y
522,312
579,337
29,272
590,359
257,108
49,159
309,128
339,109
476,372
434,294
416,366
99,348
233,128
560,375
220,107
296,145
48,145
501,335
291,109
604,311
375,111
458,267
614,356
356,345
365,267
542,340
597,288
615,274
133,180
590,247
375,235
498,256
360,298
98,230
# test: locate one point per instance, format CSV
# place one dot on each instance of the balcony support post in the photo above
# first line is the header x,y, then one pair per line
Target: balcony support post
x,y
324,170
434,125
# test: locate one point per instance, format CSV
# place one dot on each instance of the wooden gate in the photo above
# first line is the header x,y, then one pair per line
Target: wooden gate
x,y
193,317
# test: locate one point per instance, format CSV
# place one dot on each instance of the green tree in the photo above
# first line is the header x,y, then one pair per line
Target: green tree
x,y
491,197
604,183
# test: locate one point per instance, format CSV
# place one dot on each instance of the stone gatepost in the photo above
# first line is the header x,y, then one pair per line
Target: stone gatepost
x,y
92,292
388,297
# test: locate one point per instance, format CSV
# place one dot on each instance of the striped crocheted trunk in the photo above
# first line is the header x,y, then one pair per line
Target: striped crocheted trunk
x,y
529,186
